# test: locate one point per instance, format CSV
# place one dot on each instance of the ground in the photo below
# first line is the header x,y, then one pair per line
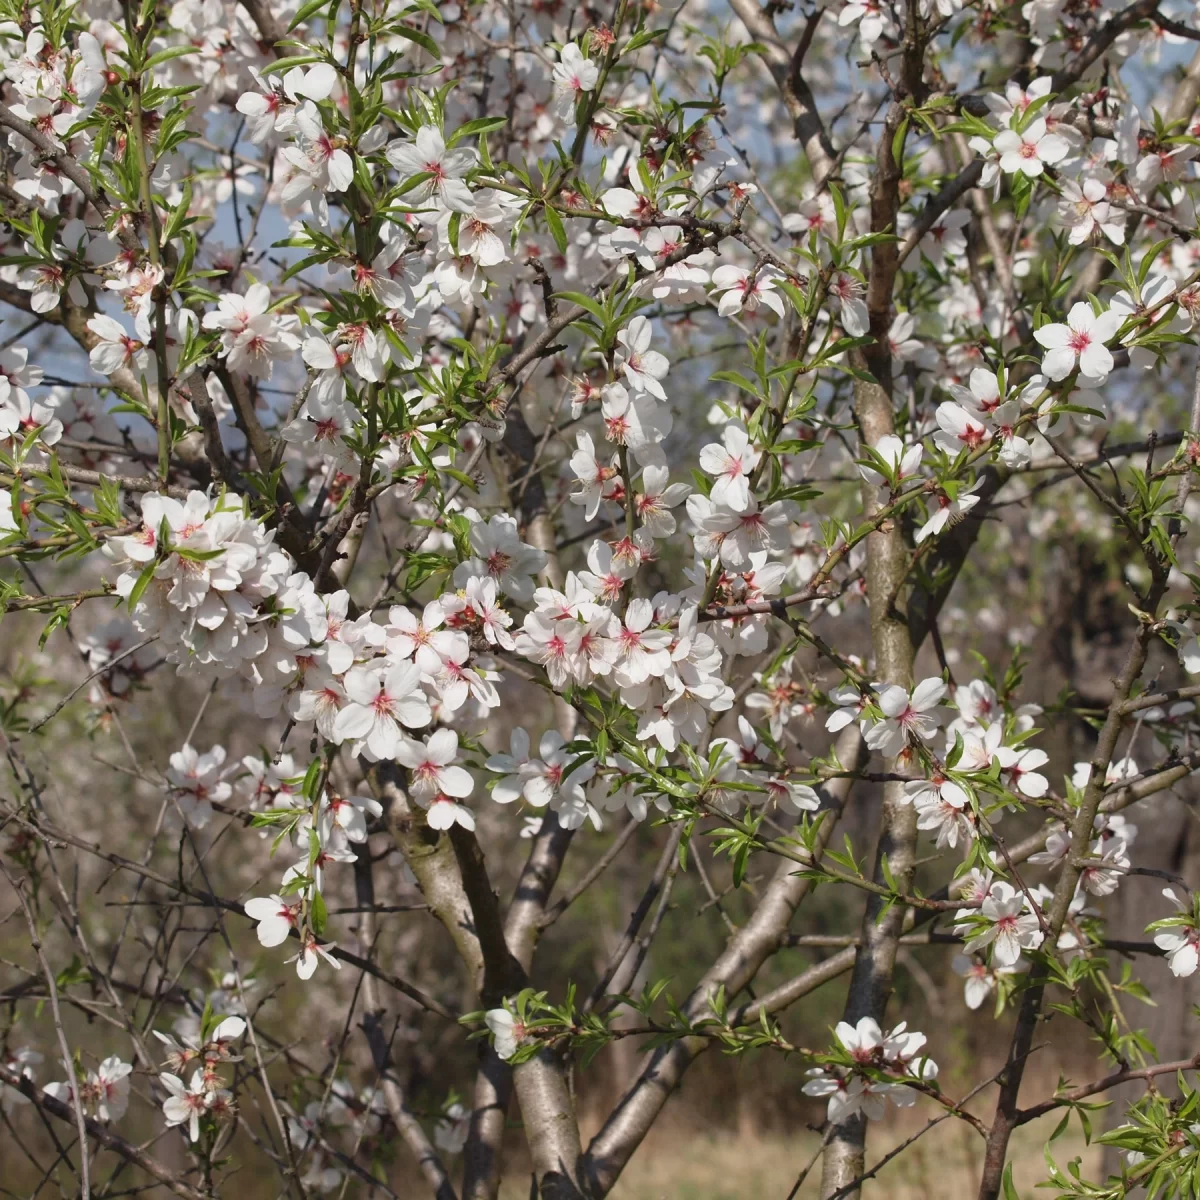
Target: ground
x,y
685,1165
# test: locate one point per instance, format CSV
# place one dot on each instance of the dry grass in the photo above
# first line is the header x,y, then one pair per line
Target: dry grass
x,y
683,1164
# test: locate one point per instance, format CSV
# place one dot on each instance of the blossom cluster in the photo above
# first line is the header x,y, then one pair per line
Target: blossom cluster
x,y
202,1099
208,581
103,1091
866,1075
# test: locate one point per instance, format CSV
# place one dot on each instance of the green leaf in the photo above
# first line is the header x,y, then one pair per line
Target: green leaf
x,y
642,38
306,11
738,380
318,914
422,39
282,65
1010,1192
1021,187
956,753
163,56
898,140
140,586
557,232
59,619
179,215
839,208
585,302
474,128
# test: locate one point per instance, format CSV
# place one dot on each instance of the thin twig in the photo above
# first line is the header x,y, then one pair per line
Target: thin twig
x,y
81,1123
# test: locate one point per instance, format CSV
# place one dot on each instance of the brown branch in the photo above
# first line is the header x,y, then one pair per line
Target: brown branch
x,y
1103,1085
594,872
744,954
68,1060
1006,1118
108,666
667,860
54,834
527,914
547,1107
214,447
1157,698
411,1129
432,860
70,167
786,69
29,603
127,483
892,642
269,29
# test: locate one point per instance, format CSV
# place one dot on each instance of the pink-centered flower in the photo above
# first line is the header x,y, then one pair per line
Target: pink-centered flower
x,y
742,291
431,765
1009,929
906,717
1079,343
1031,150
731,463
381,701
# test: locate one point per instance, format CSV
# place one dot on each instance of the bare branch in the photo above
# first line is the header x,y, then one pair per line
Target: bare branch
x,y
68,1059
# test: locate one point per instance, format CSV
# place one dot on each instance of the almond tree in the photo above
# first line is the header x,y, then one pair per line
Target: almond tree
x,y
642,382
